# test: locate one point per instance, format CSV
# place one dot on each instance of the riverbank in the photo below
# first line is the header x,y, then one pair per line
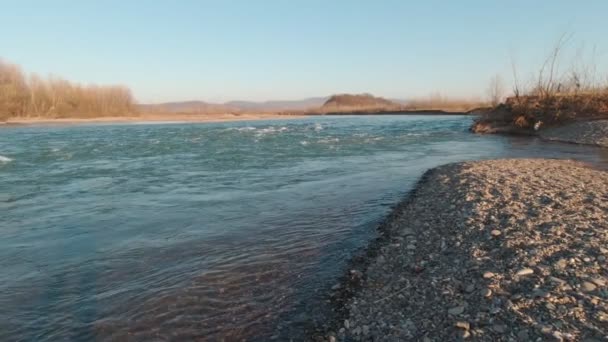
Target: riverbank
x,y
574,118
149,118
585,132
515,250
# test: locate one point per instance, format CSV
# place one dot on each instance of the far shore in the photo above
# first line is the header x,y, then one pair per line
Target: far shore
x,y
208,117
149,118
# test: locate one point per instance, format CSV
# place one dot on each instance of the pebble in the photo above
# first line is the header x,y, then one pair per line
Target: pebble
x,y
522,335
464,334
463,325
524,272
598,281
486,292
588,287
499,328
457,310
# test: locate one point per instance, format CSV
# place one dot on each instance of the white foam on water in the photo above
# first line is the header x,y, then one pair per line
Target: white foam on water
x,y
328,140
318,127
271,130
4,159
303,142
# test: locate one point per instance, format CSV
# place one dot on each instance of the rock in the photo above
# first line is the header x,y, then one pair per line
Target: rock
x,y
365,330
524,272
499,328
598,281
523,335
463,325
557,280
470,288
588,286
486,292
488,275
331,339
496,233
561,264
464,334
346,324
457,310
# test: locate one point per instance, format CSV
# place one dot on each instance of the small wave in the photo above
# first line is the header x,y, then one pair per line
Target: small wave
x,y
241,129
303,142
270,130
328,140
373,139
318,127
4,159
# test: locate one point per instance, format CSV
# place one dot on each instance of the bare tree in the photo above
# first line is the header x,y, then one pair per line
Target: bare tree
x,y
496,90
54,96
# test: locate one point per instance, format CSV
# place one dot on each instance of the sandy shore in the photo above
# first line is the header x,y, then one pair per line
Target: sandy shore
x,y
151,118
504,250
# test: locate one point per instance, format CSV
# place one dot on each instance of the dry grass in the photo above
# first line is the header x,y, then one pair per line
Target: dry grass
x,y
444,103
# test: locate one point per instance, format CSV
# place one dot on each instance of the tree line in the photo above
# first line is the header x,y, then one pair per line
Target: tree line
x,y
24,95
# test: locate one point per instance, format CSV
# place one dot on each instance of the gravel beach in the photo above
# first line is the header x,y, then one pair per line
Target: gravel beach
x,y
501,250
585,132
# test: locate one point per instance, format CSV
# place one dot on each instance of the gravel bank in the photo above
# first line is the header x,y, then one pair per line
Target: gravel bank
x,y
505,250
586,132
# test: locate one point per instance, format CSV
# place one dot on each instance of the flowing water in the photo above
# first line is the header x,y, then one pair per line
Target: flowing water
x,y
206,231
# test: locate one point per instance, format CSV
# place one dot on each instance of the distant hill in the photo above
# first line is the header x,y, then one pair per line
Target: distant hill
x,y
188,107
356,103
304,104
201,107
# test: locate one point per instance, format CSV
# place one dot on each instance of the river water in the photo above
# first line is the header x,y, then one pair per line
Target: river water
x,y
231,231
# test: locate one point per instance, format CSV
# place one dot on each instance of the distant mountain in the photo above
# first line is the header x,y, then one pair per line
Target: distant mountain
x,y
312,102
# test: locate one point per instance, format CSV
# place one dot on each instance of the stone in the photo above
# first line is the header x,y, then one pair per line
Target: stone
x,y
463,325
470,288
346,324
488,275
523,335
486,292
588,286
464,334
496,233
365,330
561,264
598,281
499,328
457,310
557,280
524,272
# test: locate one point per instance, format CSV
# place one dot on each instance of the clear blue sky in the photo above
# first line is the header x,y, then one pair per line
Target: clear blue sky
x,y
256,50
